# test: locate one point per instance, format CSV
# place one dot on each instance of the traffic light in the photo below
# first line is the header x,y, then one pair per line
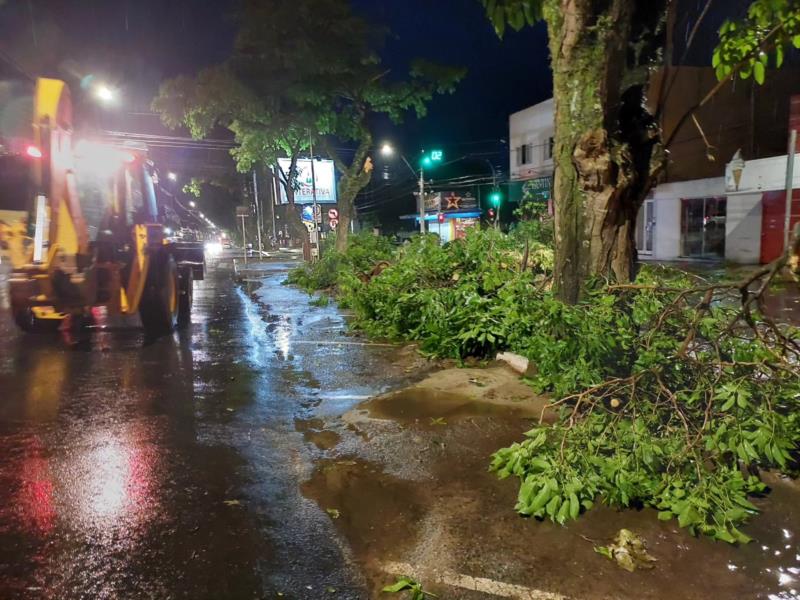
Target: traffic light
x,y
491,213
440,217
431,158
495,197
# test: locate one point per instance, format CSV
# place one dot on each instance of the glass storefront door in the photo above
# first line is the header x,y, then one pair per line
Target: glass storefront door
x,y
703,227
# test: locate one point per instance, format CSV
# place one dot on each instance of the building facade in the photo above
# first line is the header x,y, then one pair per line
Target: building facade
x,y
698,212
531,138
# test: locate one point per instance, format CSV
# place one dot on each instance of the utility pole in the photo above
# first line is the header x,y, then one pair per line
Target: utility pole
x,y
789,188
314,200
273,194
421,199
244,240
258,214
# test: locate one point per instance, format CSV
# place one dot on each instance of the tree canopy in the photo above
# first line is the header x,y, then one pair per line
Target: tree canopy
x,y
294,79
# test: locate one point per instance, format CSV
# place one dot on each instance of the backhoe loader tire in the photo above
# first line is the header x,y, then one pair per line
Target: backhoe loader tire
x,y
158,307
185,297
28,322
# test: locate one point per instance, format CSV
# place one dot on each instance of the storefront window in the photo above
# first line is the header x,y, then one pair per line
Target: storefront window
x,y
703,227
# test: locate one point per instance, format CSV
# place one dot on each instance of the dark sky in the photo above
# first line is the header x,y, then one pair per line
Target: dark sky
x,y
136,43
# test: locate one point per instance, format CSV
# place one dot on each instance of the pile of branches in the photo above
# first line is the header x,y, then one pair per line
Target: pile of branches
x,y
709,398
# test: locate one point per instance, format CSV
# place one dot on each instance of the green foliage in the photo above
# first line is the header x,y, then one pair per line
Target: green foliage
x,y
335,267
666,400
407,584
515,13
769,28
293,80
655,422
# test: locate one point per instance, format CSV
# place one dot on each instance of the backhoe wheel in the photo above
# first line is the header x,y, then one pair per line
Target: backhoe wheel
x,y
158,307
185,297
27,320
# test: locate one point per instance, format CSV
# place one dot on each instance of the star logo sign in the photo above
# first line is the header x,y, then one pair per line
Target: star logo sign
x,y
453,201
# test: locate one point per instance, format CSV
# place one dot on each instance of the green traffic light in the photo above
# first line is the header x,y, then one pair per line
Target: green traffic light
x,y
495,198
431,159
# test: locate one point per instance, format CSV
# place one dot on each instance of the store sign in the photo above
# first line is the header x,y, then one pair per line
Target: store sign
x,y
537,190
325,178
308,213
464,225
433,202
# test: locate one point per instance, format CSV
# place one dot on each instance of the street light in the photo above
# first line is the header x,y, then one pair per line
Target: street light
x,y
105,94
427,161
192,203
172,176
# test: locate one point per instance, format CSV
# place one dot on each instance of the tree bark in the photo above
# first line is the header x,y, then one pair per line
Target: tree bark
x,y
607,152
296,227
353,178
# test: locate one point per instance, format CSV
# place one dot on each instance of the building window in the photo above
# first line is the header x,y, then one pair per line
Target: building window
x,y
524,154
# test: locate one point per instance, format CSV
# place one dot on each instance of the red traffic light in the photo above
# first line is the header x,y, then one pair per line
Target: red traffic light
x,y
491,213
440,217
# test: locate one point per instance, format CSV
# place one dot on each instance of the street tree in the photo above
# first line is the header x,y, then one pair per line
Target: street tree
x,y
609,150
217,96
304,73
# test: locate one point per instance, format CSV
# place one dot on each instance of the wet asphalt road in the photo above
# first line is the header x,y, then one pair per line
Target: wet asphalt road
x,y
171,468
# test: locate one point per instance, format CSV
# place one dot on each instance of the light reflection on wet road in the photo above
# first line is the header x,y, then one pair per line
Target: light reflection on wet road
x,y
168,469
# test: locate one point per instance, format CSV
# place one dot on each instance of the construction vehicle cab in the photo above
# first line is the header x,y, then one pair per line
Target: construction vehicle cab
x,y
92,232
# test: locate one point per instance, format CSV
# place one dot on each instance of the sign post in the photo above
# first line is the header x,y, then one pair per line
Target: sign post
x,y
243,212
789,185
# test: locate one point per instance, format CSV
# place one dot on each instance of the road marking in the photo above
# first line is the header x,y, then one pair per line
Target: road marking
x,y
345,397
477,584
338,343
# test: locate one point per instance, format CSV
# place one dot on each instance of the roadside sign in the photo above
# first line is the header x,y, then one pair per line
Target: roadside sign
x,y
310,226
318,213
333,214
333,223
242,211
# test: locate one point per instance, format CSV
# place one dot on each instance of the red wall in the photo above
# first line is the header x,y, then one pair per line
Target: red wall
x,y
772,220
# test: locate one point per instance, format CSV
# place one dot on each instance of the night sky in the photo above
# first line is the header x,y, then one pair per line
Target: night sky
x,y
136,43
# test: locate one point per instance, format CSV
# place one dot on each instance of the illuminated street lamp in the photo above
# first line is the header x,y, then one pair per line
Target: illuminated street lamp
x,y
105,94
427,161
172,176
192,203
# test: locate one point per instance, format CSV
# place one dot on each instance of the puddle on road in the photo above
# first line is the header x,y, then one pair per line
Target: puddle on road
x,y
314,431
423,406
370,504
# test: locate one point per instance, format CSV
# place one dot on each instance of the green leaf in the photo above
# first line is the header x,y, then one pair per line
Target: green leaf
x,y
604,551
403,583
574,506
553,505
665,515
759,72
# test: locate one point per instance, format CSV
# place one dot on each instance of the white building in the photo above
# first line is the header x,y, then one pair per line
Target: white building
x,y
530,139
709,218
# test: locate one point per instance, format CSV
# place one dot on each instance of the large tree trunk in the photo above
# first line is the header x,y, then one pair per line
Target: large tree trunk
x,y
607,146
353,178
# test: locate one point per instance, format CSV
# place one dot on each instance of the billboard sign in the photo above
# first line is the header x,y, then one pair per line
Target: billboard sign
x,y
324,174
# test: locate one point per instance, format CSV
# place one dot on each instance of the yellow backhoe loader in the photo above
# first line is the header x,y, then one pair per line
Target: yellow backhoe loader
x,y
90,231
